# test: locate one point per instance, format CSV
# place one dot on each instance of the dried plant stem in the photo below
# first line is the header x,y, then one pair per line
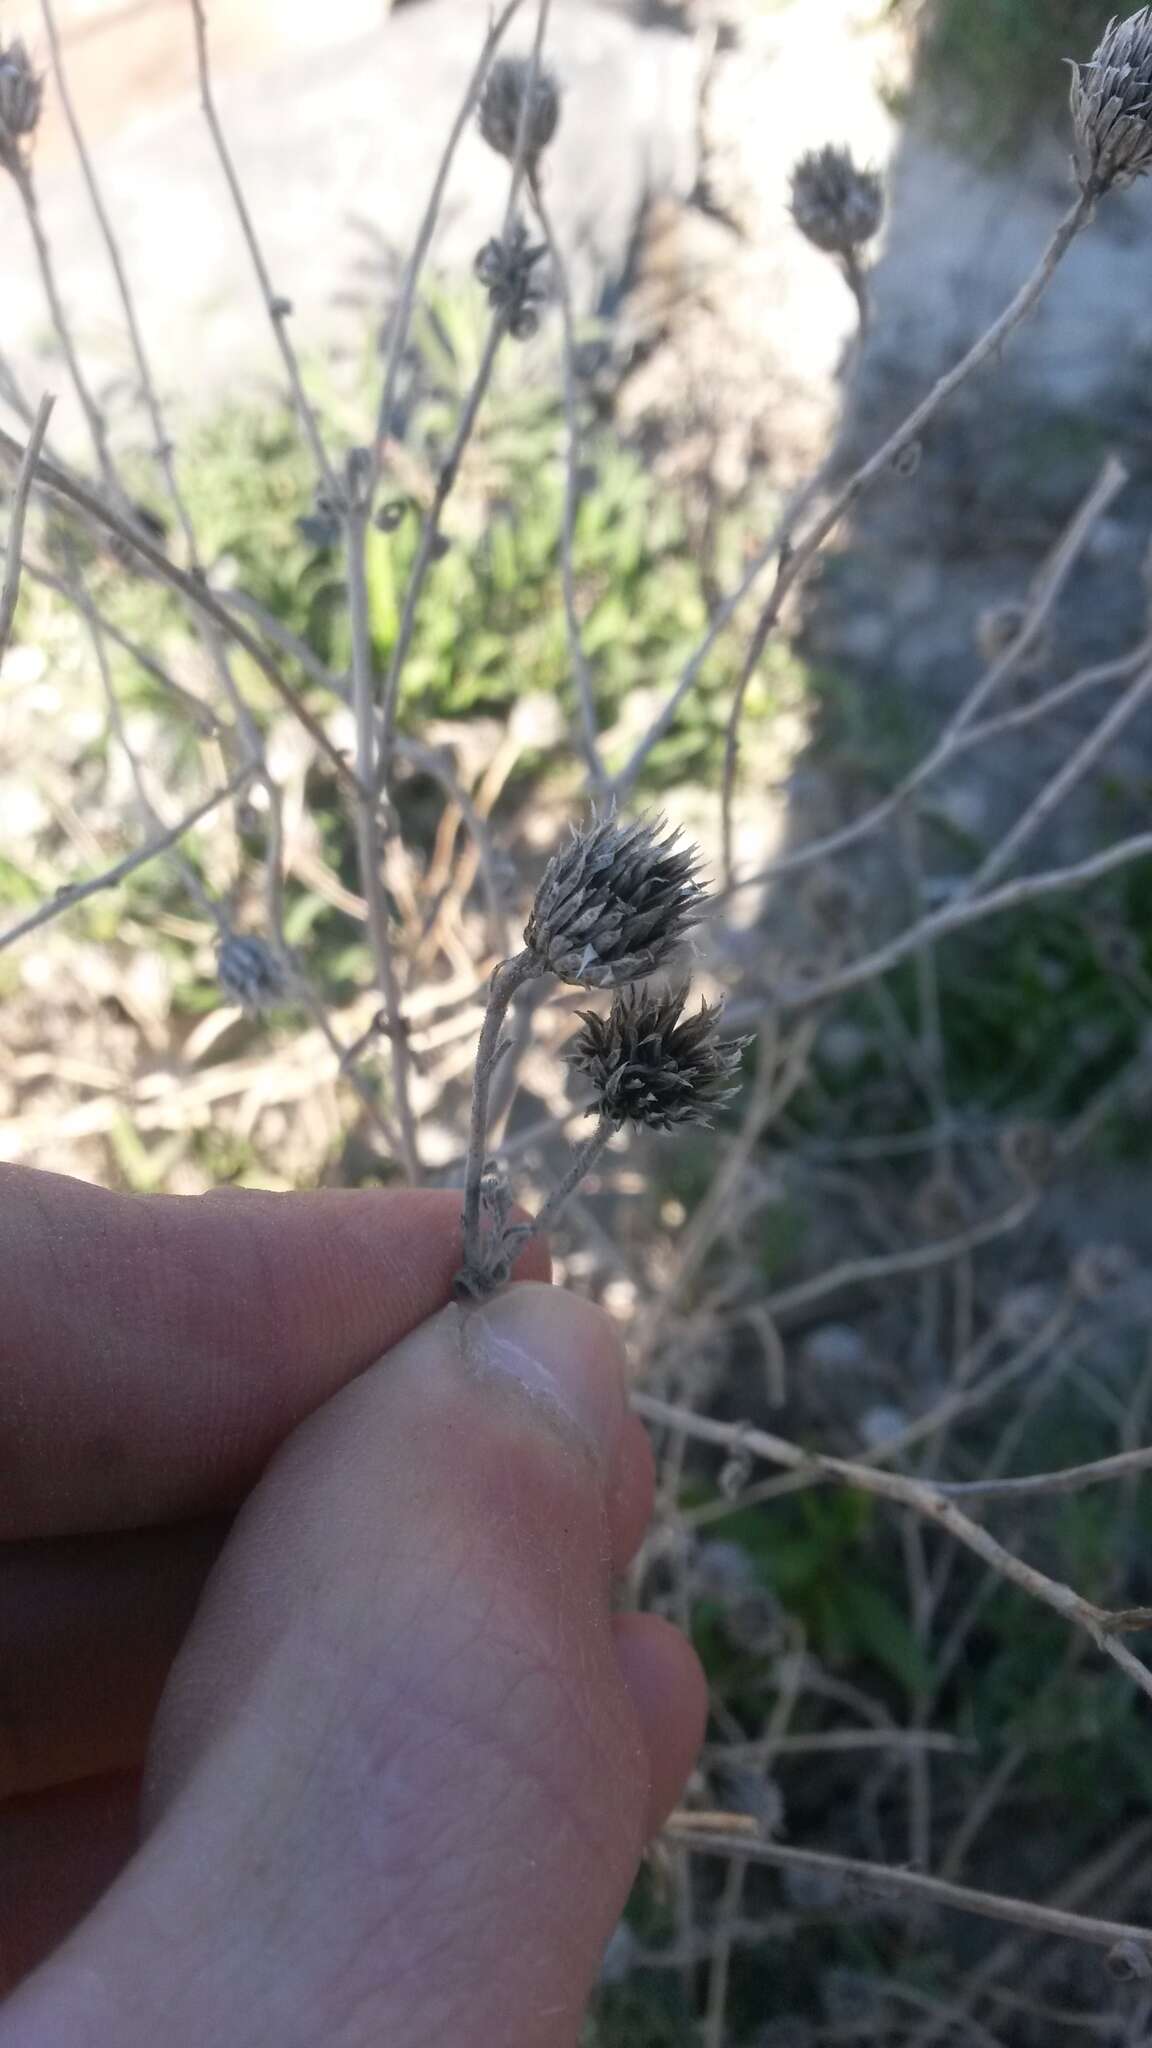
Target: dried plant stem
x,y
797,559
368,839
933,1506
207,721
50,476
276,307
961,733
402,318
520,161
580,1165
509,977
956,916
162,443
77,892
94,418
429,539
1054,792
914,1884
582,673
1072,1479
856,279
14,547
920,1258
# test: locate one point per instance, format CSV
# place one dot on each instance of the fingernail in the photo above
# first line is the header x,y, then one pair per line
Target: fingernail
x,y
563,1353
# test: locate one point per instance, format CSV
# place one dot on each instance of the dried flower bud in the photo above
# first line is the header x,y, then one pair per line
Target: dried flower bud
x,y
21,97
250,972
507,270
1112,106
614,904
502,107
649,1064
1102,1270
834,203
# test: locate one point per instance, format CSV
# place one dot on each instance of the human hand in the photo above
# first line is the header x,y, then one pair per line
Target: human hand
x,y
396,1762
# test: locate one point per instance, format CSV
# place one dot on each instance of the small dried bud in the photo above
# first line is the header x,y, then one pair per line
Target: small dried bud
x,y
250,972
1102,1270
21,98
1112,106
834,203
507,270
649,1064
502,108
614,904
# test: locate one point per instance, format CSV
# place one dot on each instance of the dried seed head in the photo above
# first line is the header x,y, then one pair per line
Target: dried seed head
x,y
650,1064
502,105
21,98
1112,106
834,203
506,267
614,903
250,972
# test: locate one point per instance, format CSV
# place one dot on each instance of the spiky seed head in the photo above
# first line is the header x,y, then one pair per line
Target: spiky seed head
x,y
650,1064
615,903
1112,106
509,87
835,204
250,972
21,97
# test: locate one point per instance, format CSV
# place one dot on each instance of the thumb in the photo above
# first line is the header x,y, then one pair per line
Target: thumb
x,y
407,1761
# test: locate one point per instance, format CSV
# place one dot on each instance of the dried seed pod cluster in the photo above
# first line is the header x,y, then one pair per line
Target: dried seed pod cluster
x,y
250,972
21,99
614,904
1112,106
835,204
650,1064
516,96
506,267
613,907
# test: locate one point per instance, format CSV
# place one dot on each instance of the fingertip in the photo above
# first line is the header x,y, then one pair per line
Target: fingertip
x,y
669,1693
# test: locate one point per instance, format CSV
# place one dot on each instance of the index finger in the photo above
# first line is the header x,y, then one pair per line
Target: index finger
x,y
155,1350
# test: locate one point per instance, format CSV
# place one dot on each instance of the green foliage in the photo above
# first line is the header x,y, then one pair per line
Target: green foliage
x,y
994,68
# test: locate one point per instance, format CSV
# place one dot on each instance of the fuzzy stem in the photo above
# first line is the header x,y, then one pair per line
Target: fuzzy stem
x,y
579,1167
505,982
